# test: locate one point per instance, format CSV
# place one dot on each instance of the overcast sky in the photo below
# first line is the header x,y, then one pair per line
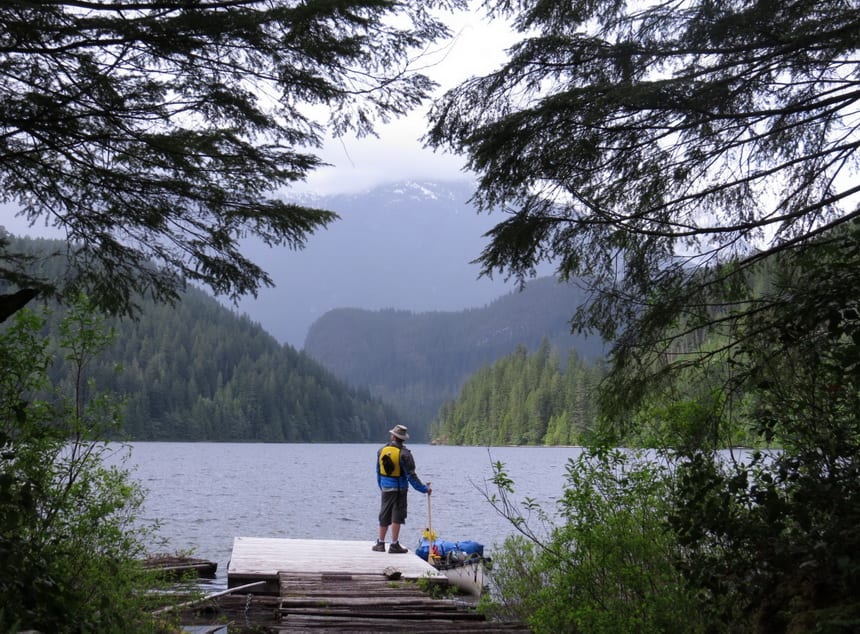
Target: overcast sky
x,y
476,49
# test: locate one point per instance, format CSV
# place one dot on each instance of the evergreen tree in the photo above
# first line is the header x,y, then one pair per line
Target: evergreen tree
x,y
155,135
522,399
658,153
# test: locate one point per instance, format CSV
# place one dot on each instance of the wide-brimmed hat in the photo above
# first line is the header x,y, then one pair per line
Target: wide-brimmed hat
x,y
400,432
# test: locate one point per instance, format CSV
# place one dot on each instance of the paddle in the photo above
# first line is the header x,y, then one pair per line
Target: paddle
x,y
429,533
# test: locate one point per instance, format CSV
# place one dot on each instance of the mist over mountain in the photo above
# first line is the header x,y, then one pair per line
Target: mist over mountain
x,y
404,246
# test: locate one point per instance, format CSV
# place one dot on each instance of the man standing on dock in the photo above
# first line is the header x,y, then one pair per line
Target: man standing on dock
x,y
395,471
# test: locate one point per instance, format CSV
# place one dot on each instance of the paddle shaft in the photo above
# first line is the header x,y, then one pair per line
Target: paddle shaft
x,y
429,514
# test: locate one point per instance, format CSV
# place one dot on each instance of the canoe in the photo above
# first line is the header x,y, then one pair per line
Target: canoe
x,y
461,562
467,575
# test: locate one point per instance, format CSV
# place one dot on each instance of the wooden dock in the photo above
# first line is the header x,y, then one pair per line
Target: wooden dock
x,y
344,586
262,559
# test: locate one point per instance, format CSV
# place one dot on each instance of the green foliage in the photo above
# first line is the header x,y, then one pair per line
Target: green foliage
x,y
523,399
435,589
609,566
69,551
770,548
687,423
805,375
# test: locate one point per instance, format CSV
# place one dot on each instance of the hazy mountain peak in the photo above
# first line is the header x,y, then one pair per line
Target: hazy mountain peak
x,y
405,245
395,193
416,190
426,190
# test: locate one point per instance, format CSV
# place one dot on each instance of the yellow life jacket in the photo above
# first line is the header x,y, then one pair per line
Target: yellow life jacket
x,y
389,461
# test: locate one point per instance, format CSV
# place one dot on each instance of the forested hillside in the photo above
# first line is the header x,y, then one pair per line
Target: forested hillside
x,y
524,399
416,361
197,371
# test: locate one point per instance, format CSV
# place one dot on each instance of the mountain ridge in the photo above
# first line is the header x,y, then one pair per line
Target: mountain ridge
x,y
416,361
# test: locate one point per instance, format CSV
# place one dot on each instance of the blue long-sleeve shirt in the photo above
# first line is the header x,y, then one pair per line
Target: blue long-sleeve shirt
x,y
407,472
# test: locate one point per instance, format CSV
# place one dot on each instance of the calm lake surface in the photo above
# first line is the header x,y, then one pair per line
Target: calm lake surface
x,y
205,494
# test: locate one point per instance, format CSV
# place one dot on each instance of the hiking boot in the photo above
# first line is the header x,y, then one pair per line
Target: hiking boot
x,y
379,547
397,548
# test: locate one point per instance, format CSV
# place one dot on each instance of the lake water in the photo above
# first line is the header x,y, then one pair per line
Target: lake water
x,y
205,494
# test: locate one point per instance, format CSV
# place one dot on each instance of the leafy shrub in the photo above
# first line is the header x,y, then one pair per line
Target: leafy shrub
x,y
773,545
68,549
609,566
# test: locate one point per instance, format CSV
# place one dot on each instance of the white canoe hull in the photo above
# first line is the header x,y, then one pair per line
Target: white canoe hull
x,y
468,577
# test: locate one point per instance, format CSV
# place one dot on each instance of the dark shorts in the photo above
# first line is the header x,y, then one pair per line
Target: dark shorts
x,y
393,509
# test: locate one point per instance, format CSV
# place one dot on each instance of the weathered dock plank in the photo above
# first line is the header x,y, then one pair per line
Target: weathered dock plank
x,y
354,624
330,604
310,623
178,566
